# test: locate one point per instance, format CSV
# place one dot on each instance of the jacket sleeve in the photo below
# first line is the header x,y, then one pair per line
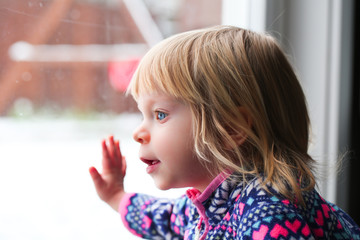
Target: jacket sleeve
x,y
155,218
280,219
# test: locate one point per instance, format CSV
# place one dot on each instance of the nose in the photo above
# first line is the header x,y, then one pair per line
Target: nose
x,y
141,135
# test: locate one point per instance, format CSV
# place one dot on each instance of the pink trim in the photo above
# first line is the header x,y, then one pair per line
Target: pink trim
x,y
193,193
199,223
122,209
218,180
198,198
203,217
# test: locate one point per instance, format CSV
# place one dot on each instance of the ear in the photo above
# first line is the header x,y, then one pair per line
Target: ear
x,y
240,136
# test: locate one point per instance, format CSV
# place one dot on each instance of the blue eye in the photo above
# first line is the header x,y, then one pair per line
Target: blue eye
x,y
160,115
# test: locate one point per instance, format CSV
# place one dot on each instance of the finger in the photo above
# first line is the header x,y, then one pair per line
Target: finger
x,y
106,162
118,155
96,177
123,165
112,149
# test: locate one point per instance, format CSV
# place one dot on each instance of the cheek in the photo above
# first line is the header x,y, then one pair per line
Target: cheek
x,y
175,143
178,143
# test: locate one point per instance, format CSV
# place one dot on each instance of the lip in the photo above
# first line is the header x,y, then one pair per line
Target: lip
x,y
152,164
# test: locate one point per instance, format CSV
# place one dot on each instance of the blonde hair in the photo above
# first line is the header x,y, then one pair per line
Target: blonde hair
x,y
229,75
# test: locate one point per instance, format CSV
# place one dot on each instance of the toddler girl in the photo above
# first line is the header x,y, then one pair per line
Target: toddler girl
x,y
225,115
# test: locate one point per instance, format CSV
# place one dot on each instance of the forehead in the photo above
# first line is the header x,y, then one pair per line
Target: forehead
x,y
158,87
162,70
149,99
145,82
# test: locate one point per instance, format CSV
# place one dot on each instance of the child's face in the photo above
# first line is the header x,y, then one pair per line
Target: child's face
x,y
166,139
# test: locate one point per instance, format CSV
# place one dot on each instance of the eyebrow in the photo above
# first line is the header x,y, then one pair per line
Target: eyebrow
x,y
168,102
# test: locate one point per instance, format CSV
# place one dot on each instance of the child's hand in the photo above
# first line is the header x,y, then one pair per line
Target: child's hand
x,y
110,183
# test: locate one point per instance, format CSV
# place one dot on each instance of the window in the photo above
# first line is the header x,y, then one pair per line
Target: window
x,y
64,67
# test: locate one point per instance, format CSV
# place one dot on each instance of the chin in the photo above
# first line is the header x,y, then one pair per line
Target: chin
x,y
162,187
161,184
166,186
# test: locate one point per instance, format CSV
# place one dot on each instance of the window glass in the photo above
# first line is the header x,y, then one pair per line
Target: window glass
x,y
64,67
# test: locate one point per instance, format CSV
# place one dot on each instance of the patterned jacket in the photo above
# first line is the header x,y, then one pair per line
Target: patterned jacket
x,y
228,210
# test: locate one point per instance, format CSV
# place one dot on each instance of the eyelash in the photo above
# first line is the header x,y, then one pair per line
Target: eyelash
x,y
160,113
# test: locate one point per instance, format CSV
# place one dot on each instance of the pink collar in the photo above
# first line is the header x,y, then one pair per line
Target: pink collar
x,y
198,198
195,194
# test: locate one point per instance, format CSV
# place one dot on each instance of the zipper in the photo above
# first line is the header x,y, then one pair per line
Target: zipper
x,y
198,228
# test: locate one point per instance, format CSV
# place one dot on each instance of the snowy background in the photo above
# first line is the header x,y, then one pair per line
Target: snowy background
x,y
45,189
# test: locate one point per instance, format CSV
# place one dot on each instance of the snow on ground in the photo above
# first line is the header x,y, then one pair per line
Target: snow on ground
x,y
46,191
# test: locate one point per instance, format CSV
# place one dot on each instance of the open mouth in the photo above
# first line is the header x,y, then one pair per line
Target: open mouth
x,y
150,162
152,165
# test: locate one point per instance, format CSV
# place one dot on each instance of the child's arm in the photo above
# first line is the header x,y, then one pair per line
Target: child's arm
x,y
109,184
155,218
